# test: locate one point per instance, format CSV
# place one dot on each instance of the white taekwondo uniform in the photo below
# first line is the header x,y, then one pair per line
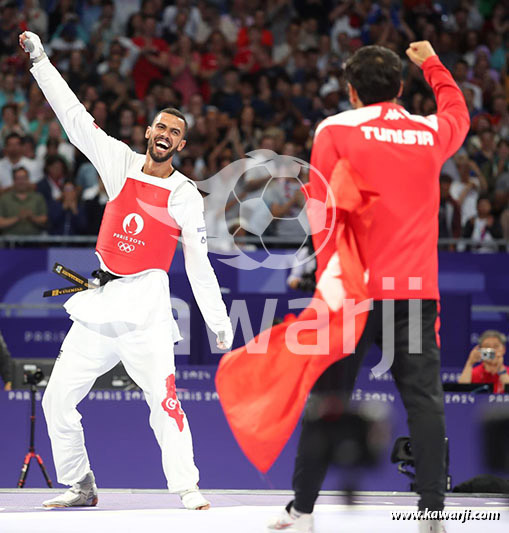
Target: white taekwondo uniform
x,y
128,319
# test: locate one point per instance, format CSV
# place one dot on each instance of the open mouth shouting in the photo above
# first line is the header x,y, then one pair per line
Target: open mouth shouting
x,y
161,149
162,145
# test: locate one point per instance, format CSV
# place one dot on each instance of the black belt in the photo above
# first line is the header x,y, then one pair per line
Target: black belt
x,y
80,283
104,277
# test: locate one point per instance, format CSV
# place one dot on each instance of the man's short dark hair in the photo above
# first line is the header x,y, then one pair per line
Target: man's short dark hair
x,y
15,170
13,135
52,159
375,73
177,113
10,105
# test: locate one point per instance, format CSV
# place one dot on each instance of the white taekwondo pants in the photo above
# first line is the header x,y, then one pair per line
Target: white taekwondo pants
x,y
88,351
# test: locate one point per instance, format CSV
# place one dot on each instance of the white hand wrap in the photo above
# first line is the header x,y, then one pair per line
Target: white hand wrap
x,y
33,45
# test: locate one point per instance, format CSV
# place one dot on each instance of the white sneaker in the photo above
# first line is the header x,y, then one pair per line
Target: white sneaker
x,y
193,499
81,494
431,526
290,524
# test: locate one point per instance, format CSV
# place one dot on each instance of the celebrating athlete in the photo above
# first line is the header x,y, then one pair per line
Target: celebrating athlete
x,y
128,317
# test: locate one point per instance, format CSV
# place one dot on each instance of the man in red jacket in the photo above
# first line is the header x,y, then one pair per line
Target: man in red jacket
x,y
399,156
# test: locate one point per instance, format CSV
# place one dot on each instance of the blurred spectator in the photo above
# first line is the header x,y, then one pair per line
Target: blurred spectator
x,y
244,70
69,36
55,145
67,215
286,200
94,202
104,30
466,190
6,366
56,172
484,157
10,122
260,23
500,163
36,18
181,17
449,213
138,141
184,63
228,98
490,354
14,158
482,229
22,210
153,59
87,177
10,93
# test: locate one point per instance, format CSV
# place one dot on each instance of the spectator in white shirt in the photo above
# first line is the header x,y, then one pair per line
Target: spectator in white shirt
x,y
466,190
14,158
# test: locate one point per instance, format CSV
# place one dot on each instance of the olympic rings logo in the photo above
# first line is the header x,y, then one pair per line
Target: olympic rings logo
x,y
127,248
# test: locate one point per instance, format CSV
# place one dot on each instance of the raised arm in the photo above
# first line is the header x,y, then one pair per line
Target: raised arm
x,y
452,112
109,156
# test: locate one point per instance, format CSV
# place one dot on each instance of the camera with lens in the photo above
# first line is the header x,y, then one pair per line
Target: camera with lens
x,y
487,354
32,374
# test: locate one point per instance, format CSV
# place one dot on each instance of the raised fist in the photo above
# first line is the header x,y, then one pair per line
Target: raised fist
x,y
31,43
419,51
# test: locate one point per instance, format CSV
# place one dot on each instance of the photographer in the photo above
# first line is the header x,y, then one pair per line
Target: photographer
x,y
490,352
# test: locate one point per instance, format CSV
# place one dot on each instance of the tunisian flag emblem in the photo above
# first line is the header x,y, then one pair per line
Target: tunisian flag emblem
x,y
263,394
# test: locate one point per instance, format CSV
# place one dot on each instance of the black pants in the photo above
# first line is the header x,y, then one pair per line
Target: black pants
x,y
417,377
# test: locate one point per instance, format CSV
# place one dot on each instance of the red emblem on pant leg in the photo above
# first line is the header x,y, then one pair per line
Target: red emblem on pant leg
x,y
171,403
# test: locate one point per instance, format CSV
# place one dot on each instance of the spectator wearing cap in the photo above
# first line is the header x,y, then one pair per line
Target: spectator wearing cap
x,y
330,95
485,363
14,158
22,210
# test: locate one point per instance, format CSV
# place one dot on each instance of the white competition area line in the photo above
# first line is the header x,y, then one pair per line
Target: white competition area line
x,y
234,512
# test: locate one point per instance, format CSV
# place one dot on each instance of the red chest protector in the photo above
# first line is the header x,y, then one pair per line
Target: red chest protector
x,y
137,232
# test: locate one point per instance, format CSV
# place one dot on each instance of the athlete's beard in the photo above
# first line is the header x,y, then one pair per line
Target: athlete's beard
x,y
159,158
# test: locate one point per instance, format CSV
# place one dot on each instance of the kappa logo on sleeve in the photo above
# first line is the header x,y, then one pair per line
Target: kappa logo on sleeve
x,y
171,403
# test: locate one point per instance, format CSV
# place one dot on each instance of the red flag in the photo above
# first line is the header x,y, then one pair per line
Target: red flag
x,y
263,394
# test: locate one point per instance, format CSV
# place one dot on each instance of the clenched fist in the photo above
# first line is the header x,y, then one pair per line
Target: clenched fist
x,y
31,43
419,51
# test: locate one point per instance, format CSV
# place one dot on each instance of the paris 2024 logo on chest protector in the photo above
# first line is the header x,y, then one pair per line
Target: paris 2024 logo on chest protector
x,y
133,224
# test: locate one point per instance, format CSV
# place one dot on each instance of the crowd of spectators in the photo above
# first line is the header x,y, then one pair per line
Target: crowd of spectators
x,y
247,74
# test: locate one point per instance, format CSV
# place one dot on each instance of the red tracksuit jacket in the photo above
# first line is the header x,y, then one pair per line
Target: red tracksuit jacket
x,y
399,156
